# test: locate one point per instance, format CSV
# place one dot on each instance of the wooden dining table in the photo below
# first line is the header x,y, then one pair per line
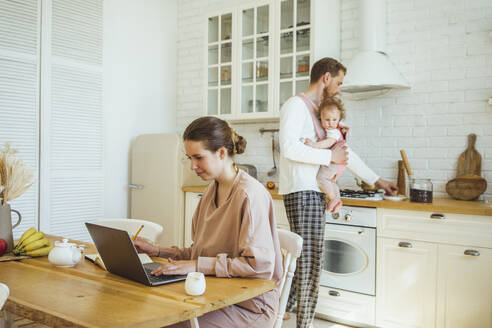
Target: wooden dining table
x,y
88,296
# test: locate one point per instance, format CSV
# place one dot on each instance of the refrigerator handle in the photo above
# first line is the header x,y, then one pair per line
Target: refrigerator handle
x,y
135,186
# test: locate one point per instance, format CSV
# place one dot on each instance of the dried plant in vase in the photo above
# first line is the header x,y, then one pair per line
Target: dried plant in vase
x,y
15,176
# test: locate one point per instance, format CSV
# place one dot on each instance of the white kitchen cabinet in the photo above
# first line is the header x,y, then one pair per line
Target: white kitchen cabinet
x,y
294,48
259,53
444,228
464,291
443,280
280,215
220,50
405,283
255,59
352,307
191,202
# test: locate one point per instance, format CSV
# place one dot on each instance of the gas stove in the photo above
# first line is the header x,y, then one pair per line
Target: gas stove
x,y
361,194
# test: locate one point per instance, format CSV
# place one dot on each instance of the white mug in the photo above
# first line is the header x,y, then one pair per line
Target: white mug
x,y
4,293
195,284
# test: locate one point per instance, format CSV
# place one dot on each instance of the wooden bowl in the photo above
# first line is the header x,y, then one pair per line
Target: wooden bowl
x,y
466,187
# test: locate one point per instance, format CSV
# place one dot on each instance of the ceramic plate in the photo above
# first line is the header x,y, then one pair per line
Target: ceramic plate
x,y
395,198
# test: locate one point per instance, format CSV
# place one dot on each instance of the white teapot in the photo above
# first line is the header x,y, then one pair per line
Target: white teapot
x,y
65,254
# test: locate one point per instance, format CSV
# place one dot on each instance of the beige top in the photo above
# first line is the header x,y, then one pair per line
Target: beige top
x,y
239,238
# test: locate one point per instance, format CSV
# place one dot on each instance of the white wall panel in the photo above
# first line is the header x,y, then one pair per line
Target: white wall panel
x,y
72,190
19,96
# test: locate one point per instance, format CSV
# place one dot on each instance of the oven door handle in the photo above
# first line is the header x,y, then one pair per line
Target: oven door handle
x,y
360,232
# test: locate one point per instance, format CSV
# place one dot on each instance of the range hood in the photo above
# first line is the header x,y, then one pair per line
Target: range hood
x,y
371,71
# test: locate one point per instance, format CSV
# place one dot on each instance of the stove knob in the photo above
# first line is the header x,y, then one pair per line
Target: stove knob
x,y
348,217
335,216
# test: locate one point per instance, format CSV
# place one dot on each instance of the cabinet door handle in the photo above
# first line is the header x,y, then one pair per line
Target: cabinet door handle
x,y
135,186
334,293
199,195
437,216
405,244
472,252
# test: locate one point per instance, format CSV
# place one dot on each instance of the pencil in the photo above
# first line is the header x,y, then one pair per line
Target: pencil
x,y
141,227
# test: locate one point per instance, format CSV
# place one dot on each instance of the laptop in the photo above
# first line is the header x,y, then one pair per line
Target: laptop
x,y
121,258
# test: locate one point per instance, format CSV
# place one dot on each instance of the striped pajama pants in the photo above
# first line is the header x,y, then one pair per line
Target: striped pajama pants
x,y
306,213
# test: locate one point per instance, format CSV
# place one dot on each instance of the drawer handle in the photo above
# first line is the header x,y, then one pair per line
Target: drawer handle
x,y
437,216
405,244
472,252
135,186
334,293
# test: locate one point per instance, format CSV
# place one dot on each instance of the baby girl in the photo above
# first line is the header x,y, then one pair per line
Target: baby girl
x,y
331,112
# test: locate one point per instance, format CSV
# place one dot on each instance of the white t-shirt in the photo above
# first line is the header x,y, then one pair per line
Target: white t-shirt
x,y
299,163
333,133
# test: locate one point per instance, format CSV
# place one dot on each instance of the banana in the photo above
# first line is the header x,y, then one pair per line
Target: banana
x,y
25,235
35,236
36,244
43,251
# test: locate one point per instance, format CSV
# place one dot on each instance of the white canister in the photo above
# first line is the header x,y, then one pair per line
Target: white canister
x,y
4,294
195,284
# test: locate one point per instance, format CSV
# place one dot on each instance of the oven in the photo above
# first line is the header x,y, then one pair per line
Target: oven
x,y
350,250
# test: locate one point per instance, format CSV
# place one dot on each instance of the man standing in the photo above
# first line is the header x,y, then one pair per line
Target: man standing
x,y
299,165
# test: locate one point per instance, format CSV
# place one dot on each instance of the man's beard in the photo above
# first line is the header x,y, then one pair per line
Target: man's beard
x,y
326,92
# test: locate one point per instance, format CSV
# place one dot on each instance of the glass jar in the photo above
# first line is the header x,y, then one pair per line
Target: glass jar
x,y
421,190
303,65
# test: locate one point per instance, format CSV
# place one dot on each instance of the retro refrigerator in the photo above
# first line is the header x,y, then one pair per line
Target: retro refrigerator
x,y
159,170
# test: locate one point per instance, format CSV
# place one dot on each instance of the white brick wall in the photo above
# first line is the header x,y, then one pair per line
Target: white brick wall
x,y
442,47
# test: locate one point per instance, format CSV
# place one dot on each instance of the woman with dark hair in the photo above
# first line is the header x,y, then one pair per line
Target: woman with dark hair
x,y
233,227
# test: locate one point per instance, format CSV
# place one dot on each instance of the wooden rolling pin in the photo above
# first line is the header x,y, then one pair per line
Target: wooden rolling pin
x,y
407,165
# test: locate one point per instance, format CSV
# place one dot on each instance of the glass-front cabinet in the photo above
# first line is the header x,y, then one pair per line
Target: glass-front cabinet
x,y
219,65
255,29
294,50
258,55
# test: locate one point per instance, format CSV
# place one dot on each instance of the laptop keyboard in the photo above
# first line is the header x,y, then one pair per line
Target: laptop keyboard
x,y
152,278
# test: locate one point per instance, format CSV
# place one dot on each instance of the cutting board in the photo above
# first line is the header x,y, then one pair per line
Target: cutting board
x,y
470,161
468,184
12,257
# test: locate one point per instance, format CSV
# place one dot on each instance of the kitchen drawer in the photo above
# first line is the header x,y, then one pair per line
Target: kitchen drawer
x,y
345,307
450,228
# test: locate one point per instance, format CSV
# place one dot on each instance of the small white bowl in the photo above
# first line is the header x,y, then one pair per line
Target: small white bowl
x,y
395,198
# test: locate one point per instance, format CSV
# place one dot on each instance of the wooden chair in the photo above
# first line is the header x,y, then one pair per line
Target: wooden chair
x,y
151,230
291,246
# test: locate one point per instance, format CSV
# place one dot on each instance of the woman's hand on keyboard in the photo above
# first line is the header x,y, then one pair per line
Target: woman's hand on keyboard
x,y
175,267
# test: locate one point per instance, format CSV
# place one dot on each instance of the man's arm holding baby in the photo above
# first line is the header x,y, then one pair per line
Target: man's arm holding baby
x,y
292,119
322,144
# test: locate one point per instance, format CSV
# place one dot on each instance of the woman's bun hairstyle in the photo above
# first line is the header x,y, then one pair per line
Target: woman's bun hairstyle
x,y
239,142
215,133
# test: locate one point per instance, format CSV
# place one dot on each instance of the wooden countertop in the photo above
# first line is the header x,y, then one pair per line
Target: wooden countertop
x,y
273,192
444,205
